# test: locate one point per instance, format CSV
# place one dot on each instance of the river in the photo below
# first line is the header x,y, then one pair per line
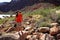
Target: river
x,y
1,15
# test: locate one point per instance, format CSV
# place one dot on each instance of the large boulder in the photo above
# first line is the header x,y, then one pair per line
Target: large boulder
x,y
21,35
9,35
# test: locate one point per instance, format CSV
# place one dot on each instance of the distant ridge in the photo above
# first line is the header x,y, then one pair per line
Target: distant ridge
x,y
17,5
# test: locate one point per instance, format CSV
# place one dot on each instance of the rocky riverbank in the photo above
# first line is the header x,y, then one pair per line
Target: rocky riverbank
x,y
29,30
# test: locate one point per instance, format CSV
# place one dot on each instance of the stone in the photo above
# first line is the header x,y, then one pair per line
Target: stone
x,y
44,29
58,36
54,30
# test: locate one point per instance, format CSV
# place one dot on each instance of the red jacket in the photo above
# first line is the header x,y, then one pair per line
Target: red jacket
x,y
19,18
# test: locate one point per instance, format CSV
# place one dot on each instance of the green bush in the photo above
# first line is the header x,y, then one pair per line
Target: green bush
x,y
44,24
1,21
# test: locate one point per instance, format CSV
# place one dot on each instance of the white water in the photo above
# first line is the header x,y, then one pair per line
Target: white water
x,y
1,15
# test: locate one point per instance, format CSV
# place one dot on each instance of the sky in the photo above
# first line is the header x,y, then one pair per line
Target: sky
x,y
1,1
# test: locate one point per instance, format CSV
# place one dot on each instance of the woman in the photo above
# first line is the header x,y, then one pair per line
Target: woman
x,y
19,18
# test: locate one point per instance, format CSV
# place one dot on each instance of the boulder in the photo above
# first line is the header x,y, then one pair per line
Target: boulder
x,y
9,35
58,36
7,38
54,30
46,37
44,29
21,35
52,24
59,29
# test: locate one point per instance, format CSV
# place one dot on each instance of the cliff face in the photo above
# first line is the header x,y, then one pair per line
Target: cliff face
x,y
17,5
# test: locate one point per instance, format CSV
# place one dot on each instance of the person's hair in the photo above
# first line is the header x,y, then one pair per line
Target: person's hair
x,y
17,13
